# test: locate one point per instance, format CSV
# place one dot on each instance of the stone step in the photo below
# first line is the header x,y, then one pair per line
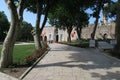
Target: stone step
x,y
105,45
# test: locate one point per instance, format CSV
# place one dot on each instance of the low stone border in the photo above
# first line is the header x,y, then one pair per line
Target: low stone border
x,y
31,67
109,56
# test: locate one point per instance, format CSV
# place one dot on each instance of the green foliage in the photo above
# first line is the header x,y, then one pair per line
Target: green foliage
x,y
62,14
111,9
81,18
26,32
4,26
82,43
68,12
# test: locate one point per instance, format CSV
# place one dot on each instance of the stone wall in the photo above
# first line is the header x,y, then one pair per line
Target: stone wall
x,y
108,29
59,35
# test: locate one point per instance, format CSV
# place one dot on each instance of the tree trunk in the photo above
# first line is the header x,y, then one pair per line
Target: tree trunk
x,y
79,32
117,33
69,29
45,20
37,41
69,38
95,27
97,18
37,29
8,45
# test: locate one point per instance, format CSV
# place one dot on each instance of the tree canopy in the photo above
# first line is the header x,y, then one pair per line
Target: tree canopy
x,y
4,26
26,34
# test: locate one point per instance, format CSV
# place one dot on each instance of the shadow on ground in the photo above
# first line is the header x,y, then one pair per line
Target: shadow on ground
x,y
91,60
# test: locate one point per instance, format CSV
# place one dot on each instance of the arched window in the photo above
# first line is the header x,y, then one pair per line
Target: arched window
x,y
45,38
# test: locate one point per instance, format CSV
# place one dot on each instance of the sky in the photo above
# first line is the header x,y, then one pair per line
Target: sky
x,y
28,16
31,18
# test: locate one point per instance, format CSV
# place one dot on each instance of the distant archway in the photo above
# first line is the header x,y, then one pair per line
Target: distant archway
x,y
57,38
45,38
105,36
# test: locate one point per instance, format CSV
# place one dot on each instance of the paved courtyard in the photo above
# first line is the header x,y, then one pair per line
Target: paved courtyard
x,y
6,77
71,63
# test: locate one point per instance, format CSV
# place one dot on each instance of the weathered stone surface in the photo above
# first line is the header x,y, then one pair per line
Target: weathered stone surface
x,y
71,63
6,77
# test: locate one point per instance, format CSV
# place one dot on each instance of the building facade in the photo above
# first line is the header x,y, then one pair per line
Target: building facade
x,y
59,35
108,30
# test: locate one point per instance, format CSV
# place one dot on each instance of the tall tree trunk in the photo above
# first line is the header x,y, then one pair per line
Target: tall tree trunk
x,y
8,45
69,29
79,30
46,15
94,30
7,50
117,32
37,29
45,20
97,18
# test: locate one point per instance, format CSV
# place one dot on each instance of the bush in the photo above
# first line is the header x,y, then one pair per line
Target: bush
x,y
81,43
84,44
38,53
30,59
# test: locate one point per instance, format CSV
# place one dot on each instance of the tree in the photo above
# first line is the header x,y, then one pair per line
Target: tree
x,y
70,12
97,6
26,29
63,15
117,28
16,12
4,26
114,11
81,21
40,7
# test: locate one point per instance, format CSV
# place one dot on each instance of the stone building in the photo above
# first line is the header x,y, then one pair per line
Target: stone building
x,y
58,35
108,29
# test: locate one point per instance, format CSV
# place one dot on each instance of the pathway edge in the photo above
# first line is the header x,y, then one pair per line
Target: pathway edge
x,y
31,67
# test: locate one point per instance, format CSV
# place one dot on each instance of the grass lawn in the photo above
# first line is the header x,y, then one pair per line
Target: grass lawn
x,y
1,43
21,52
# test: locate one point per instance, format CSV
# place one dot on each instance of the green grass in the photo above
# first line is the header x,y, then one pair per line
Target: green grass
x,y
1,43
21,52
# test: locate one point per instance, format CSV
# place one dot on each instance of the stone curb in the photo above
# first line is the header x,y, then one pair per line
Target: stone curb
x,y
31,67
109,56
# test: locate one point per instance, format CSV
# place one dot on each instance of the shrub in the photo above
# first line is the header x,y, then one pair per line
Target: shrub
x,y
84,44
38,53
30,59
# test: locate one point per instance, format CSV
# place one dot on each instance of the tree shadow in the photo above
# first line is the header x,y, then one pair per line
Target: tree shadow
x,y
88,59
61,64
108,76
